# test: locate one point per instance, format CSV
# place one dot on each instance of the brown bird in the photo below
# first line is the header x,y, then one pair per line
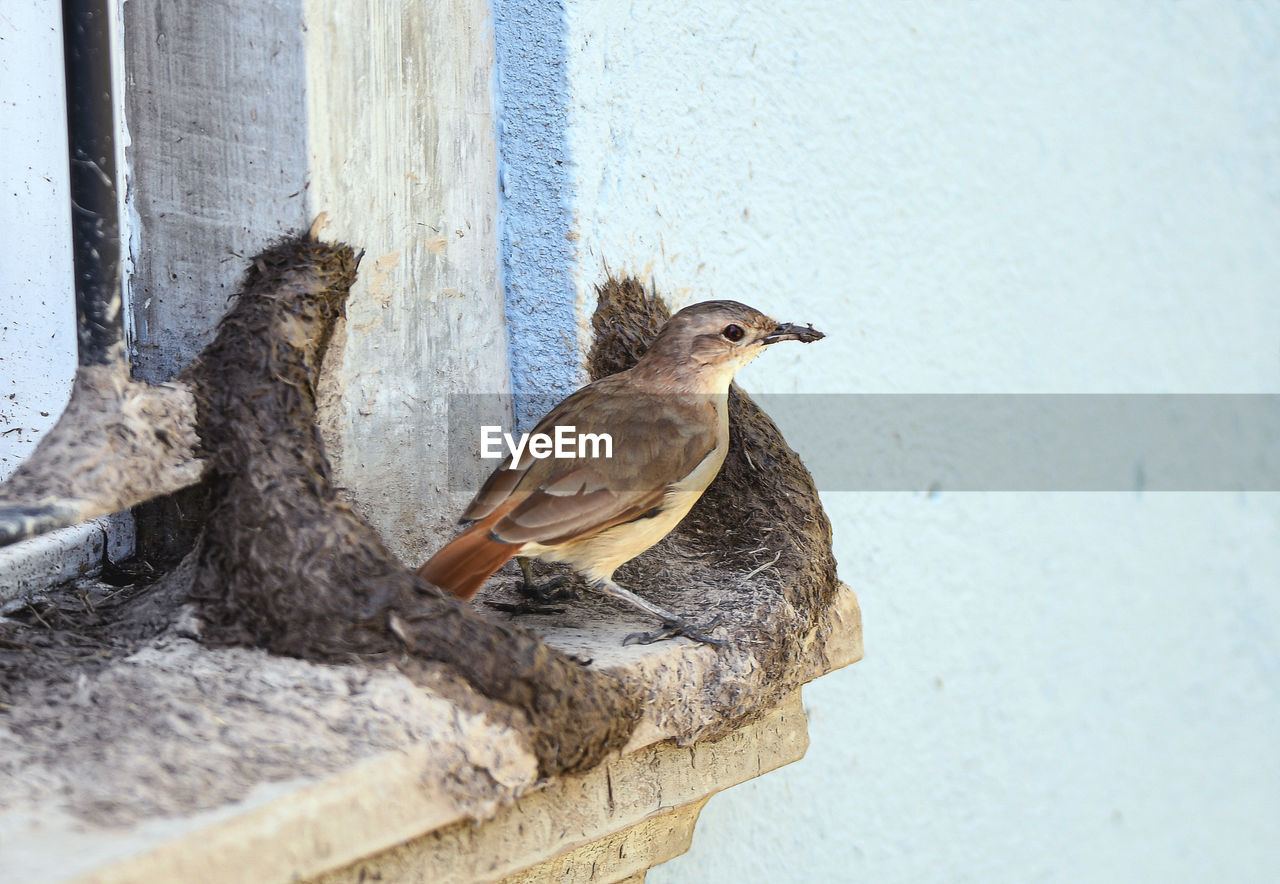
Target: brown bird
x,y
668,420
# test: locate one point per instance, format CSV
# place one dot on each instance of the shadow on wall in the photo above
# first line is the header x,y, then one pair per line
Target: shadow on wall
x,y
535,198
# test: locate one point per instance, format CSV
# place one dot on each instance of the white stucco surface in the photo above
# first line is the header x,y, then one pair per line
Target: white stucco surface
x,y
37,310
1020,198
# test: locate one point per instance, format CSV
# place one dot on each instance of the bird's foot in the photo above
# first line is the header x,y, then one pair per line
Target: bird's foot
x,y
547,592
673,628
538,598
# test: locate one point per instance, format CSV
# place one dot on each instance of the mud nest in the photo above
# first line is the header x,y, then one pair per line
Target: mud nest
x,y
284,566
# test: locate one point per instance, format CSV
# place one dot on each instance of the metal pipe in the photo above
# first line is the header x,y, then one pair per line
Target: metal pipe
x,y
95,213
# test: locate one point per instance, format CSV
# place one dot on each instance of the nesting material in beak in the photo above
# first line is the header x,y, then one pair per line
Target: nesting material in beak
x,y
789,331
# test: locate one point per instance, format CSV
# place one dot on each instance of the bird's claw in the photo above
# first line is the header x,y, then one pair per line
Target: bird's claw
x,y
673,628
538,598
546,592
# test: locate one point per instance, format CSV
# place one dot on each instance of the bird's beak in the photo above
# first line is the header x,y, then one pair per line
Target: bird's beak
x,y
789,331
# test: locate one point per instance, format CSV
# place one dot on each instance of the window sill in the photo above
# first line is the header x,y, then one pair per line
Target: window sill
x,y
35,566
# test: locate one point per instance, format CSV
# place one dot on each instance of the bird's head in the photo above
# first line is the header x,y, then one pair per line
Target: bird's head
x,y
716,338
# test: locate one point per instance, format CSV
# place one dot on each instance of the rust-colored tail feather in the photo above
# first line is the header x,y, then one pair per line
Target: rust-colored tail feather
x,y
470,559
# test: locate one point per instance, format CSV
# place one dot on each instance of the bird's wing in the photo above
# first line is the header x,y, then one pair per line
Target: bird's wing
x,y
656,441
503,481
576,505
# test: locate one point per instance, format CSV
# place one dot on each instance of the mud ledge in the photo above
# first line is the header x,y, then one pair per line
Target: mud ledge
x,y
233,764
291,699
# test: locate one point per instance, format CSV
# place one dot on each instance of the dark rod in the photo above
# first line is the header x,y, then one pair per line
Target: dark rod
x,y
95,221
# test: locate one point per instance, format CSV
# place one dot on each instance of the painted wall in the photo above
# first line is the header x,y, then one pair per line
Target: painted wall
x,y
1022,198
37,306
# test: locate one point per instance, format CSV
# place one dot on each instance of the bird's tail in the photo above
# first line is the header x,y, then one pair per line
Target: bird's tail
x,y
470,559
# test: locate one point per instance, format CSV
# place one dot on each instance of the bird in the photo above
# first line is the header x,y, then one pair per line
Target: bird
x,y
668,420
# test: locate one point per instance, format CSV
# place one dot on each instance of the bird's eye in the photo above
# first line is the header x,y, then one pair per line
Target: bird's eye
x,y
733,332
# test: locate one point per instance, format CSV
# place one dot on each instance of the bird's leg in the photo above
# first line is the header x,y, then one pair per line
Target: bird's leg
x,y
536,598
544,593
672,625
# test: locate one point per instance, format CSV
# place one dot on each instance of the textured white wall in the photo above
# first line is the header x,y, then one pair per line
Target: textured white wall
x,y
982,198
37,307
